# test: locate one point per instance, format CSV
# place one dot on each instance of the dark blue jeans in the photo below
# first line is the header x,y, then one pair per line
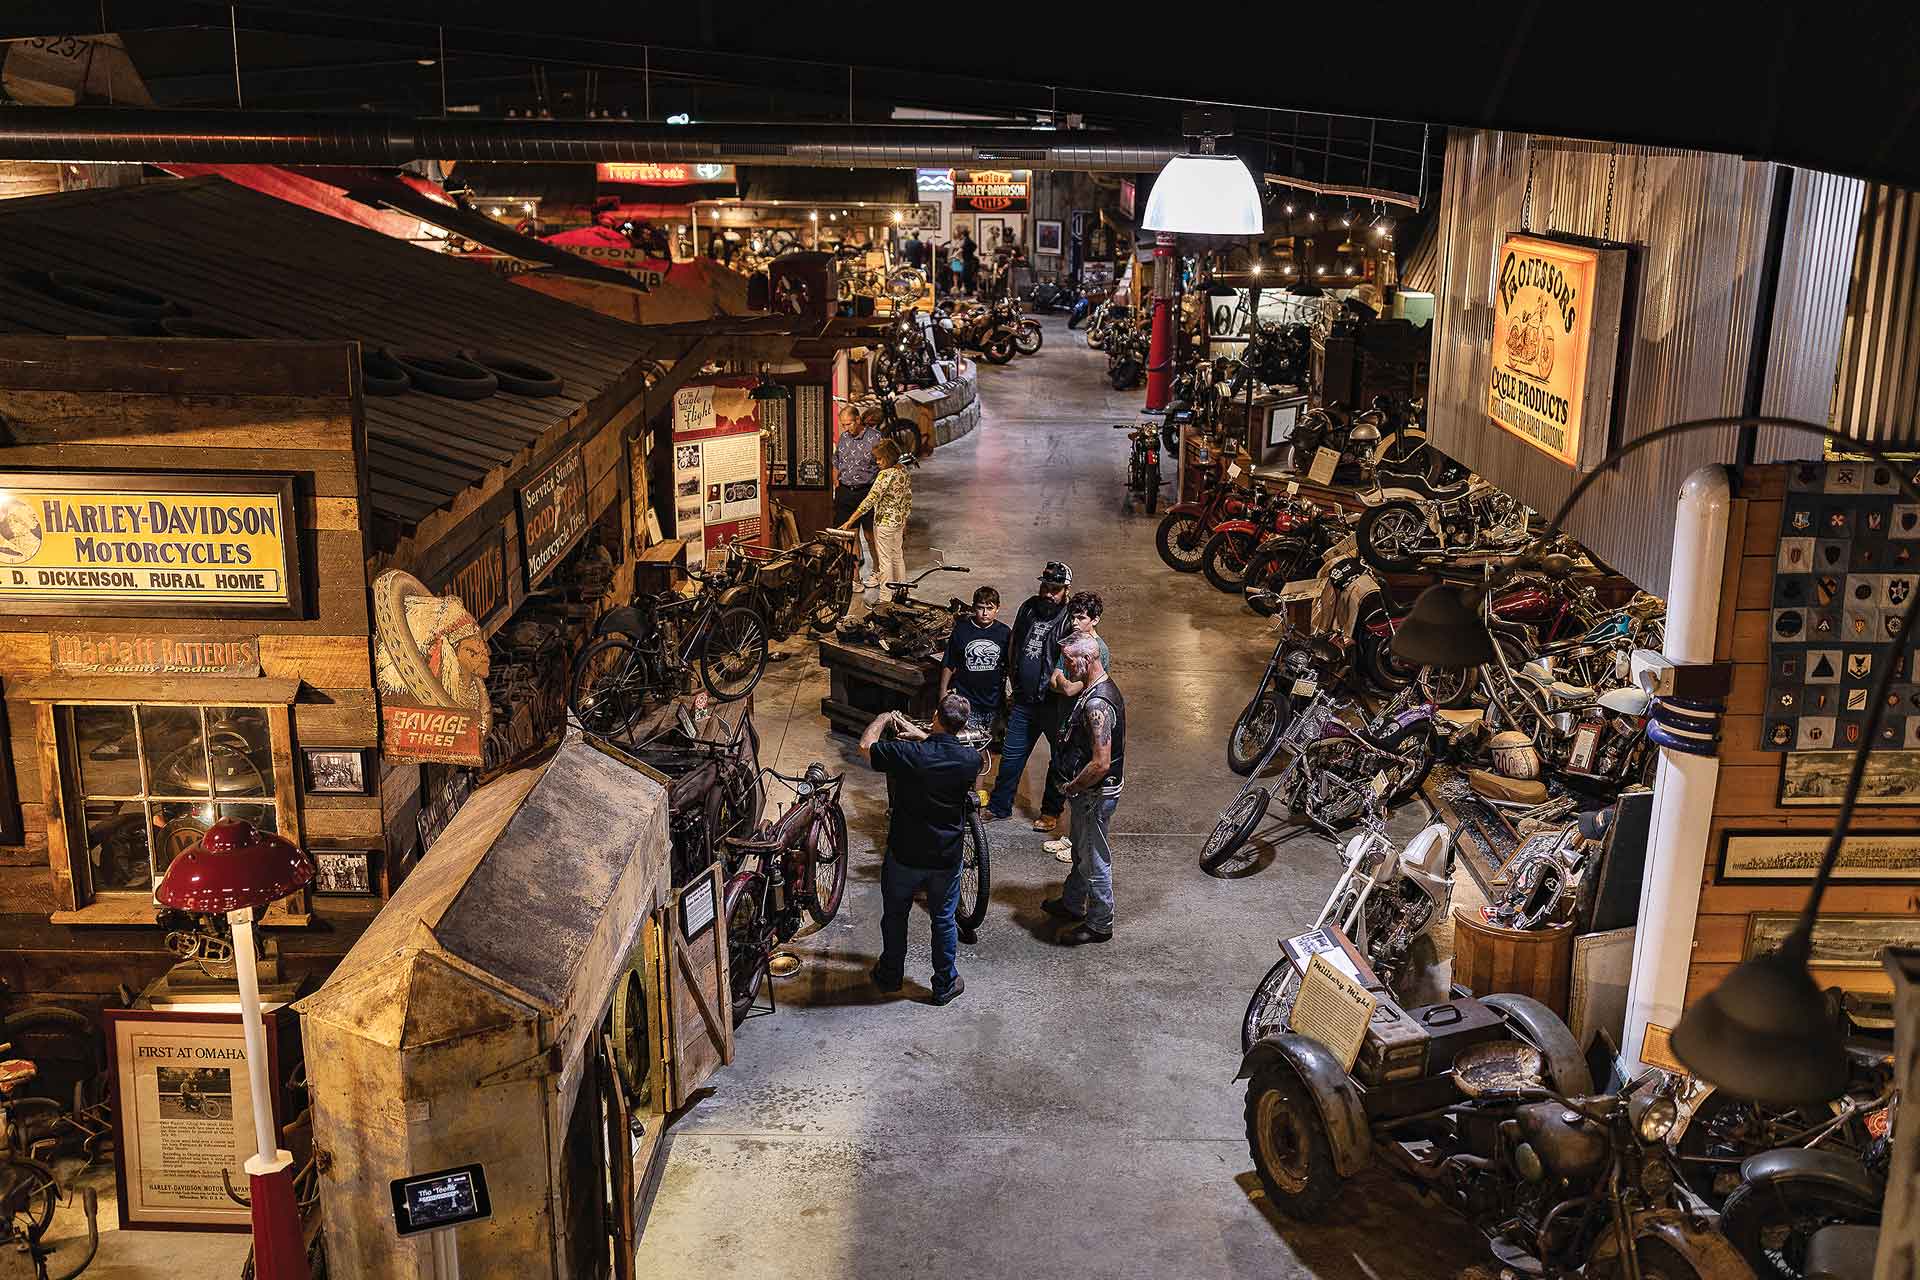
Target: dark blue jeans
x,y
897,886
1027,723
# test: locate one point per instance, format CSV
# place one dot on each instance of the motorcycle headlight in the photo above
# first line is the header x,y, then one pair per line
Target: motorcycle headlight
x,y
1656,1119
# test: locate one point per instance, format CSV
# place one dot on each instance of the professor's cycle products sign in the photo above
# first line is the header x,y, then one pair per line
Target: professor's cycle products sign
x,y
678,174
553,513
147,543
1557,311
991,190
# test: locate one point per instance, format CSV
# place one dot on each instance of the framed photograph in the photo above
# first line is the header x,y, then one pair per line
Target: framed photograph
x,y
1792,857
182,1112
1816,779
345,873
1046,237
336,771
1839,941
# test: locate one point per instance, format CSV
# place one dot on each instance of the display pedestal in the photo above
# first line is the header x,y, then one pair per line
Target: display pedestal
x,y
865,682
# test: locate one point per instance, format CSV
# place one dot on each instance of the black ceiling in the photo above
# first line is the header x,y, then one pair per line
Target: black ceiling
x,y
1827,86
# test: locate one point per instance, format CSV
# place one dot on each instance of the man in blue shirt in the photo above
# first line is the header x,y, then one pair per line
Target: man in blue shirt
x,y
926,835
976,661
854,470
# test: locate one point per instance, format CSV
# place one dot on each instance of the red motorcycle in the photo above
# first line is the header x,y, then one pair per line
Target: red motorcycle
x,y
1529,613
1232,545
1184,530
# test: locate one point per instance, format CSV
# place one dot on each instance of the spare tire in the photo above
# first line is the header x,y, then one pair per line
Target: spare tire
x,y
381,374
517,376
448,376
108,296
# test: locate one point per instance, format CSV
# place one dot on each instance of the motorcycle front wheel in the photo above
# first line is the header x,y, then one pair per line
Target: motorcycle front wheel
x,y
1271,1006
1028,337
998,350
1124,373
1151,475
1253,734
1224,560
1382,669
734,655
1236,824
1181,539
1391,535
976,876
827,854
1275,563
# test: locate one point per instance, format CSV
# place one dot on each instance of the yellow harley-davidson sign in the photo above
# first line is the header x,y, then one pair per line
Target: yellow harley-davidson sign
x,y
142,547
1542,329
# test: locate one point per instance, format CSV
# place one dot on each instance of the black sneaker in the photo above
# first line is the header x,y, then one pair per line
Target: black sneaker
x,y
883,984
1081,934
1058,909
952,992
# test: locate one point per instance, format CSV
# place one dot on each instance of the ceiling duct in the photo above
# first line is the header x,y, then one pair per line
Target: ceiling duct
x,y
261,137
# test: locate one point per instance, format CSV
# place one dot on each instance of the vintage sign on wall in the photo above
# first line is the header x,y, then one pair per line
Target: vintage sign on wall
x,y
553,513
478,576
117,653
1556,342
148,544
991,190
719,470
430,670
678,174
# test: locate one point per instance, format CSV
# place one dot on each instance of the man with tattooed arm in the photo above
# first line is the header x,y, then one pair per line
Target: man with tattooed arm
x,y
1093,762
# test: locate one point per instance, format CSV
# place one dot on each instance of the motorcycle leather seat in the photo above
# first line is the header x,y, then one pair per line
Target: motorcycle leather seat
x,y
1842,1252
1494,786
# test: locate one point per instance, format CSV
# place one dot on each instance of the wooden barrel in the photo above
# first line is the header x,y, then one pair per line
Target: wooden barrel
x,y
1532,962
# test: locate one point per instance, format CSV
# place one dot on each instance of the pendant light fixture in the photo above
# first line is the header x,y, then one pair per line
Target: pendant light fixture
x,y
1201,193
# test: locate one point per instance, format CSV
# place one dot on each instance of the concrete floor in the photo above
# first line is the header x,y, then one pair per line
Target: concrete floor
x,y
1074,1113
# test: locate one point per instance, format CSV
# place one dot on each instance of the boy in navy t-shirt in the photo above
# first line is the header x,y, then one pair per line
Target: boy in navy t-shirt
x,y
976,661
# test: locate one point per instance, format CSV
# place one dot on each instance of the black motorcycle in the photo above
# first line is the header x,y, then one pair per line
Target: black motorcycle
x,y
1143,466
1126,349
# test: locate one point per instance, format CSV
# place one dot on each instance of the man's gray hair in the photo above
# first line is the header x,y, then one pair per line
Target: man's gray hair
x,y
1081,647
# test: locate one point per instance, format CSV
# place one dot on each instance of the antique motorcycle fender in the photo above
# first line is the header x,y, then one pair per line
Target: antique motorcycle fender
x,y
1198,509
1235,526
1710,1254
1830,1170
625,620
1332,1091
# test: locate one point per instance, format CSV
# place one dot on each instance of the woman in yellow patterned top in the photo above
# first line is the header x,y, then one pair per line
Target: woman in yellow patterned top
x,y
891,501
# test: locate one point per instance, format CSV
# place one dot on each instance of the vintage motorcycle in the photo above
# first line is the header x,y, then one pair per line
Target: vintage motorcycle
x,y
1143,466
1108,319
1126,348
1506,1131
809,586
1397,535
1385,901
1274,514
905,358
1181,538
982,329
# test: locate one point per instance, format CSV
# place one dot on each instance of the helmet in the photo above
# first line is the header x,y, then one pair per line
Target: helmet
x,y
1514,755
1057,573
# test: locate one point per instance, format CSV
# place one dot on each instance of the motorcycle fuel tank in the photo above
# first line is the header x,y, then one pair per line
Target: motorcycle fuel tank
x,y
1570,1145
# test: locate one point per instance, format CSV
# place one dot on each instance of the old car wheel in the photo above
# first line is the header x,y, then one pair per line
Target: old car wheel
x,y
1289,1143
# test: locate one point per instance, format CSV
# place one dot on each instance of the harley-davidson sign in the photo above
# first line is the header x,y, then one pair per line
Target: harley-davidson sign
x,y
991,190
1556,335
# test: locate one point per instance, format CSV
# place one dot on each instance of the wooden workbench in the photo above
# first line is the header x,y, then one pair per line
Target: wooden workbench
x,y
865,682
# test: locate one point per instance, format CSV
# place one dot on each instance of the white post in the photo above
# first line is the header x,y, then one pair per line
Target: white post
x,y
1683,788
271,1157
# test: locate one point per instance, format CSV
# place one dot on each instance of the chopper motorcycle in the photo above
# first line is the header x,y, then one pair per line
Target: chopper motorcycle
x,y
1496,1116
1397,535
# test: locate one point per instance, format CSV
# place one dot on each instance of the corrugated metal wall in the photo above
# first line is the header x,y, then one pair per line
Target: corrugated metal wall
x,y
1809,312
1700,222
1878,392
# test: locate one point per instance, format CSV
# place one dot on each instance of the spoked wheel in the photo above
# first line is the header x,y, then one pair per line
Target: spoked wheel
x,y
1151,475
28,1193
1392,535
1028,337
1180,539
609,689
1260,722
998,350
1271,1006
1289,1143
827,849
1230,834
1224,560
734,655
1771,1224
976,876
1448,686
749,943
834,605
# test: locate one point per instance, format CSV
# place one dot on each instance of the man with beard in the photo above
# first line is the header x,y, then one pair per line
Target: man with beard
x,y
1093,755
1031,715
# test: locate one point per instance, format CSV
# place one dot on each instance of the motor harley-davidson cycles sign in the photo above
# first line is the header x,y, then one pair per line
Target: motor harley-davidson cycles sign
x,y
1556,338
991,190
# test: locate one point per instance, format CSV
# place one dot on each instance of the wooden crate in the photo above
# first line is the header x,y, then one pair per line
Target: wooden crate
x,y
1532,962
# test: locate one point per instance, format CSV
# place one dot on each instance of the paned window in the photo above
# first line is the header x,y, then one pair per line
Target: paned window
x,y
145,782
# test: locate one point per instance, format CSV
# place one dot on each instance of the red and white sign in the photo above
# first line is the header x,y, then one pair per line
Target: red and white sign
x,y
719,467
663,175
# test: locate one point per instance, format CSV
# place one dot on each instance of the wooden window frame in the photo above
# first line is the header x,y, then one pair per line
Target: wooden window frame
x,y
273,696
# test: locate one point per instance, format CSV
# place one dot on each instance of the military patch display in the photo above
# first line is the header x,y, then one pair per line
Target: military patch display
x,y
1847,568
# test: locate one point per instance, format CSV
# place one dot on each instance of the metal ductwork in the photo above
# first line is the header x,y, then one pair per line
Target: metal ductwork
x,y
263,137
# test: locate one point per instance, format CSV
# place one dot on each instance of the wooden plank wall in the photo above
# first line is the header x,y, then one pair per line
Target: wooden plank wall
x,y
193,405
1750,777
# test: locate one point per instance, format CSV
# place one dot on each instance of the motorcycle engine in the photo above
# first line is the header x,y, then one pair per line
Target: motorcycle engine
x,y
1571,1147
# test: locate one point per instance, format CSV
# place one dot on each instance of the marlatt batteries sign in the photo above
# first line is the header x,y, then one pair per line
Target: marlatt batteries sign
x,y
125,543
1556,339
991,190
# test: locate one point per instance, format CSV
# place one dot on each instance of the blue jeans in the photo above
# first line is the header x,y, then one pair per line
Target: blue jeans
x,y
897,886
1027,723
1089,887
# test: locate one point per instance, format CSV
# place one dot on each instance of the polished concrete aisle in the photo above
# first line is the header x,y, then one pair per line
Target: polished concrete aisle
x,y
1074,1113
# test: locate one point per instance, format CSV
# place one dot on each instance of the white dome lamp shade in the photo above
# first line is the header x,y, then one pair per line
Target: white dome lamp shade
x,y
1202,193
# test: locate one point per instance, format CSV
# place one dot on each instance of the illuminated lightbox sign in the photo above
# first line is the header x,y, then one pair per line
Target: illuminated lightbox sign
x,y
1557,311
146,543
664,175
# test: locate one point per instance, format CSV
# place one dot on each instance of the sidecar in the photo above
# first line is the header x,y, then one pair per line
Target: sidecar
x,y
1312,1124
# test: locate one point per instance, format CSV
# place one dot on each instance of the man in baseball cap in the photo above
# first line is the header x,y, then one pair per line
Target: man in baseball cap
x,y
1031,715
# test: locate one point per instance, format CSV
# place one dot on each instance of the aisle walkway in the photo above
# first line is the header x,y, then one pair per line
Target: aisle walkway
x,y
1074,1113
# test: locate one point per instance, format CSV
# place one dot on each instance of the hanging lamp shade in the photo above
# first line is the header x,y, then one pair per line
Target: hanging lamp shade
x,y
1205,195
1444,630
233,865
1765,1033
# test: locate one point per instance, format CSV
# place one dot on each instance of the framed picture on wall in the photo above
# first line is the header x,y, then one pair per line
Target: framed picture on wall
x,y
346,873
336,771
1046,237
1839,941
1816,779
986,232
1792,857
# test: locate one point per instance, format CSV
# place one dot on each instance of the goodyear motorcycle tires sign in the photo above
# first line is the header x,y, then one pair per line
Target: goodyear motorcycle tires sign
x,y
1556,342
144,544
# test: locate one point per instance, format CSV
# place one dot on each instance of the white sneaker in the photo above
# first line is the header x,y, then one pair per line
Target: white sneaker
x,y
872,582
1061,849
